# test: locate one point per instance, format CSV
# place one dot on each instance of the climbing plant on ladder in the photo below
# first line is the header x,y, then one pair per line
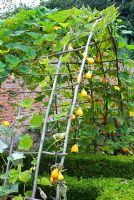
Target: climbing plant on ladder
x,y
82,94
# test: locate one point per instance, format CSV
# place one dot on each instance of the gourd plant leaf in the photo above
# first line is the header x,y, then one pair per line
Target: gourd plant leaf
x,y
25,143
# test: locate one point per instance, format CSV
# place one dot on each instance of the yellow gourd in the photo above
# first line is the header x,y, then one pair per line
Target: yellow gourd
x,y
74,148
79,112
55,173
60,177
83,93
73,116
70,48
88,75
90,61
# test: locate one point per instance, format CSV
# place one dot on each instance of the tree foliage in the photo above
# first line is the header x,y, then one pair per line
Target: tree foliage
x,y
126,9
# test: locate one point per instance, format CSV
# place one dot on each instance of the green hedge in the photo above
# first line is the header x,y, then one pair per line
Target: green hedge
x,y
99,189
88,166
102,188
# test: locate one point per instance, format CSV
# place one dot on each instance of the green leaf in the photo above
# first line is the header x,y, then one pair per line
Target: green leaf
x,y
18,45
17,155
65,39
130,46
44,62
26,103
8,189
25,176
58,116
100,139
124,75
13,176
65,58
127,32
64,25
93,132
60,16
18,198
2,67
13,60
17,33
121,44
47,26
36,120
28,193
44,181
26,142
50,37
35,35
1,42
2,146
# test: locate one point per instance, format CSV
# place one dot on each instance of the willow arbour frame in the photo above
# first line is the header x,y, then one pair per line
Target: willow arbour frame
x,y
75,86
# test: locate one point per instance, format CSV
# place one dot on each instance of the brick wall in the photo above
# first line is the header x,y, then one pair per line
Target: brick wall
x,y
7,110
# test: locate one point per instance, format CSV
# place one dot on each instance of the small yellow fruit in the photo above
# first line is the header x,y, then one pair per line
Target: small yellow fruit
x,y
74,148
125,150
55,173
70,48
60,177
53,180
116,87
73,116
90,61
104,81
88,75
131,114
79,112
56,28
6,123
83,93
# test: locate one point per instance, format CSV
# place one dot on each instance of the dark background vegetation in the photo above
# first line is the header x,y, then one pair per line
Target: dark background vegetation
x,y
126,8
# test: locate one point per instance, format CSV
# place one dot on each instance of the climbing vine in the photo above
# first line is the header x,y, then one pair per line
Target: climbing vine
x,y
33,44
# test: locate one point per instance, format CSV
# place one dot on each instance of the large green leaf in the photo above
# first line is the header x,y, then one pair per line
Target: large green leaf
x,y
13,176
13,60
8,189
2,146
124,75
17,155
18,198
26,103
50,37
26,142
2,67
25,176
36,120
44,181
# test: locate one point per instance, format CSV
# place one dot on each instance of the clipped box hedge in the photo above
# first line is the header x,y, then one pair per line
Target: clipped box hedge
x,y
99,189
94,165
88,166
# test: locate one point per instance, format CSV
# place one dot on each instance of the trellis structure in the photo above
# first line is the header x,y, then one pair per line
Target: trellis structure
x,y
75,87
